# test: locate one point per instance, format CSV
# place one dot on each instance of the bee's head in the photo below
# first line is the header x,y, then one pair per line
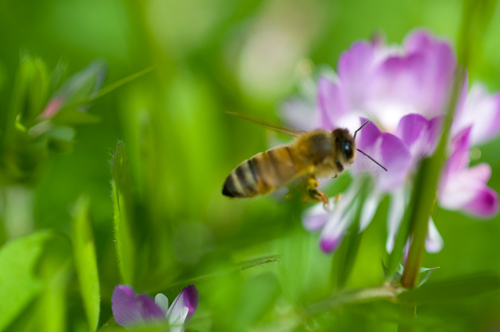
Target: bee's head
x,y
345,144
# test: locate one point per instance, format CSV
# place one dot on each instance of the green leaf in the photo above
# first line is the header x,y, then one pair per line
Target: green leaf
x,y
85,261
18,286
427,275
123,213
72,116
453,289
28,96
30,91
54,270
62,133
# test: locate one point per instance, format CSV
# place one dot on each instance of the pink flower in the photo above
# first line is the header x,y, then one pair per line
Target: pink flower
x,y
131,310
463,188
481,112
404,91
386,83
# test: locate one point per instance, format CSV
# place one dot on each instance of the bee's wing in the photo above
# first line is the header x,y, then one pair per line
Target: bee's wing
x,y
286,131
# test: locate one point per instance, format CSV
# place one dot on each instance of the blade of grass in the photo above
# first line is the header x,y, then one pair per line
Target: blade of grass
x,y
249,264
122,207
355,296
113,86
85,261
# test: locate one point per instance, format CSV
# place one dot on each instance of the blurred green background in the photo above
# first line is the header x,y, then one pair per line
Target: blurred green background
x,y
212,57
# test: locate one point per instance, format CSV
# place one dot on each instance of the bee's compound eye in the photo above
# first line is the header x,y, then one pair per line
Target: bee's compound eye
x,y
347,149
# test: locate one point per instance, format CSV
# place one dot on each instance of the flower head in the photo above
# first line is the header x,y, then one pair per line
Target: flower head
x,y
385,83
131,310
404,91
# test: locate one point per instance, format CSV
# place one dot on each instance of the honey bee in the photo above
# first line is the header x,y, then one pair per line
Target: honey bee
x,y
317,153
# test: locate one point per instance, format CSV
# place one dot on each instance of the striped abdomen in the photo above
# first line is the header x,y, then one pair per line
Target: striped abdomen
x,y
262,173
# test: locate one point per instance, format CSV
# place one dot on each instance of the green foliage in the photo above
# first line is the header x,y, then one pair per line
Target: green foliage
x,y
18,284
34,277
123,214
85,261
163,223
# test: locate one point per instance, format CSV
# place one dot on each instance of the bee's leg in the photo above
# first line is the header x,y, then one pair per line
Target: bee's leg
x,y
314,194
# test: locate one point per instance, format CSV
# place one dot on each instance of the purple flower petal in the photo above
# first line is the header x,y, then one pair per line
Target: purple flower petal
x,y
333,232
331,242
410,128
354,68
331,104
397,159
388,150
315,217
417,40
189,298
417,81
129,309
482,112
440,66
339,219
419,134
397,79
465,189
480,172
484,204
459,158
367,136
434,127
148,309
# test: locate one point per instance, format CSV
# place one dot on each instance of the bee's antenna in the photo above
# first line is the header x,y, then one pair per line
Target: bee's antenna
x,y
376,162
355,133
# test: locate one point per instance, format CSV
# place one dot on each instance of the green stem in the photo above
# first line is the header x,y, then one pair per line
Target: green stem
x,y
345,258
425,191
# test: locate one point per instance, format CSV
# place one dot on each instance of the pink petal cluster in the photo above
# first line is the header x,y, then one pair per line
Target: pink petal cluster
x,y
132,311
403,91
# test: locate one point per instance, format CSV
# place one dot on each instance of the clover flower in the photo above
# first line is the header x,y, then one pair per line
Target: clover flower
x,y
403,91
131,310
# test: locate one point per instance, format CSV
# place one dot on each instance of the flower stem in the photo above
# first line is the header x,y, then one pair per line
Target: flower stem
x,y
425,190
345,258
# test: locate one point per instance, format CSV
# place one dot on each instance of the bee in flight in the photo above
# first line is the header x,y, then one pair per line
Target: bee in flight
x,y
316,153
